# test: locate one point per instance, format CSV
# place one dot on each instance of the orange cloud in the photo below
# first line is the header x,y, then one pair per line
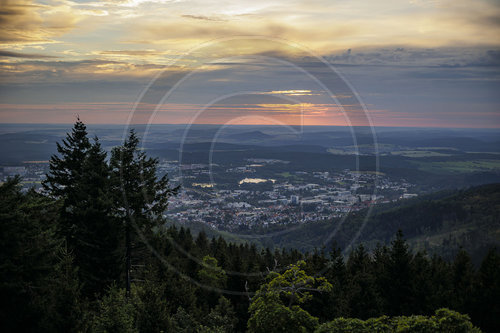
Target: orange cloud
x,y
27,22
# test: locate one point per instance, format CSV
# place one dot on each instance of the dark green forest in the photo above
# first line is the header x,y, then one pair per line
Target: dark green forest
x,y
93,254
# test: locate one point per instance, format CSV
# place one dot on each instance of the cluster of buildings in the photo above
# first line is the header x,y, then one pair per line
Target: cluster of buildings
x,y
241,201
32,173
289,198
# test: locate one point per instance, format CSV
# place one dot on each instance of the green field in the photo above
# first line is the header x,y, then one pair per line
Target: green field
x,y
459,166
418,153
336,151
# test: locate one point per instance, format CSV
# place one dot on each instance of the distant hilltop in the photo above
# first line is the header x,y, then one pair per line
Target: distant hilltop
x,y
253,135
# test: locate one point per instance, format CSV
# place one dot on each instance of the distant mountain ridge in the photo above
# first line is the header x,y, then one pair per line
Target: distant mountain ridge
x,y
253,135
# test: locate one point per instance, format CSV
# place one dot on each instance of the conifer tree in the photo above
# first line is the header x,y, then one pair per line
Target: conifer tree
x,y
463,282
486,311
67,308
398,287
440,282
98,247
336,274
364,301
80,177
28,248
141,196
422,287
151,305
66,171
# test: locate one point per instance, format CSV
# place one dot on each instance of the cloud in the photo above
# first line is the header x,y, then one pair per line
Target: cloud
x,y
204,18
420,56
169,33
322,25
293,92
24,55
139,53
34,71
403,56
26,22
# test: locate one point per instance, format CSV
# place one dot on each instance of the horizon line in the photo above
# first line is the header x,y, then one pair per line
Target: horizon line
x,y
266,125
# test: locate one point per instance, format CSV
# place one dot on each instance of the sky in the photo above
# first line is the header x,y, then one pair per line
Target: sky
x,y
418,63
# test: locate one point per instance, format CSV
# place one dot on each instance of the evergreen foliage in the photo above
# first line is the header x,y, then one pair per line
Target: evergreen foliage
x,y
62,267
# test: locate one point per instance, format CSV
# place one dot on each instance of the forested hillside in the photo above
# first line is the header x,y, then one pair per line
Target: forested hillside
x,y
439,223
93,254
